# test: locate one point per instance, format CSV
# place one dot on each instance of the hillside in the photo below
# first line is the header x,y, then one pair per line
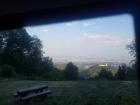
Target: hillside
x,y
95,70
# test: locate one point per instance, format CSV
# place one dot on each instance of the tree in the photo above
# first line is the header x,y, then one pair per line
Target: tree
x,y
7,71
24,53
132,50
34,56
71,72
104,74
132,72
120,75
46,68
19,49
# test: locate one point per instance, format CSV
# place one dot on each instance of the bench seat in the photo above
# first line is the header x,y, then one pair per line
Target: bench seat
x,y
23,92
36,95
29,93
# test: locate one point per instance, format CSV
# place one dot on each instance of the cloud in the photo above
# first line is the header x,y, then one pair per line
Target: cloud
x,y
105,39
85,34
86,24
45,30
69,24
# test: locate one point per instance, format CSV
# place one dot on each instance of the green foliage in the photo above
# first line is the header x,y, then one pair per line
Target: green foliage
x,y
104,74
56,74
20,50
93,72
71,72
45,68
131,74
132,48
60,66
24,52
120,75
7,71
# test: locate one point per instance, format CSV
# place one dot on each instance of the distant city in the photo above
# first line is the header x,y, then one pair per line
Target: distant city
x,y
90,60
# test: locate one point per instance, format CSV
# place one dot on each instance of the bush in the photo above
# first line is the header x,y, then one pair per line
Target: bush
x,y
7,71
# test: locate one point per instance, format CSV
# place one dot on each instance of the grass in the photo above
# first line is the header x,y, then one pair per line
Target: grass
x,y
75,92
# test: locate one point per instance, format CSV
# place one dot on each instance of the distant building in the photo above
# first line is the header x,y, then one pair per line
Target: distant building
x,y
103,65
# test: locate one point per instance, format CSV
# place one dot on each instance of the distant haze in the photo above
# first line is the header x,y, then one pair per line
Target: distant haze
x,y
89,40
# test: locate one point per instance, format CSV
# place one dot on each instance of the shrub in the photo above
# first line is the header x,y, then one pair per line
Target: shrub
x,y
7,71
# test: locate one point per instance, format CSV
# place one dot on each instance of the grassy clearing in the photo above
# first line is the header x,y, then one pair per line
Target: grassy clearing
x,y
75,92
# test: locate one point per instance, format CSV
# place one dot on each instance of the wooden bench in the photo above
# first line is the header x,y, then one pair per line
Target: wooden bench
x,y
29,93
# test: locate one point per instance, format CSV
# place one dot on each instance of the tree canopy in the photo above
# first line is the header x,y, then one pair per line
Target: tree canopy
x,y
23,52
132,48
71,72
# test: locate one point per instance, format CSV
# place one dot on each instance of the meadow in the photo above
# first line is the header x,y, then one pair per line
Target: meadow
x,y
102,92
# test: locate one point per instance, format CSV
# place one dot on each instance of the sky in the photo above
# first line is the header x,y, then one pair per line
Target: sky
x,y
95,39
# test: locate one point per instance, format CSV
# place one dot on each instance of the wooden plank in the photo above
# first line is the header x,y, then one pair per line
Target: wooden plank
x,y
36,95
27,90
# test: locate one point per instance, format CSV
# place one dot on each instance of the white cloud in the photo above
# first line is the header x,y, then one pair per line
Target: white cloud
x,y
104,39
45,30
86,24
69,24
85,34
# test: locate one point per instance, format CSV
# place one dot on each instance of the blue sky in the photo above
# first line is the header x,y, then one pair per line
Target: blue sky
x,y
95,39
